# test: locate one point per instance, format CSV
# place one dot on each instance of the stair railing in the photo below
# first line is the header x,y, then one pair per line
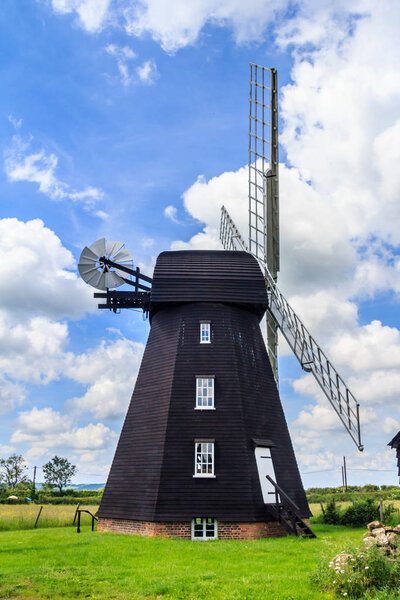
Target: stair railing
x,y
284,501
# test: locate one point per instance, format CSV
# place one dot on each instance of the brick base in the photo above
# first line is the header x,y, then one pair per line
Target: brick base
x,y
226,531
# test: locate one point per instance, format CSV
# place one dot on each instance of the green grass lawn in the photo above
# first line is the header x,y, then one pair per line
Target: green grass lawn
x,y
59,563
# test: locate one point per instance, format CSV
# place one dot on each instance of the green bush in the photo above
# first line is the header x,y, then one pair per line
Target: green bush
x,y
363,513
356,572
359,515
332,514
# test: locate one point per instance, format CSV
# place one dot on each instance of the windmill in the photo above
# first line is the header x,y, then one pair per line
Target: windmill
x,y
205,450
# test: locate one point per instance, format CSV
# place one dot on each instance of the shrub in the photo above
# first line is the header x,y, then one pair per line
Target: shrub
x,y
359,515
332,514
356,572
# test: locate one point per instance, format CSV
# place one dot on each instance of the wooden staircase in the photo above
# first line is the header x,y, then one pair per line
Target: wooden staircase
x,y
288,513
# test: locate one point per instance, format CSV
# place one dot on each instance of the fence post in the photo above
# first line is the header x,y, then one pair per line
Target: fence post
x,y
381,509
78,529
37,518
76,512
322,508
354,502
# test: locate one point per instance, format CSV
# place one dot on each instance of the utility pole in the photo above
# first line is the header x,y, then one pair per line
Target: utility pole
x,y
344,473
34,478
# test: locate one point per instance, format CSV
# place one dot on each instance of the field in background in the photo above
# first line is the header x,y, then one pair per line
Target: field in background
x,y
23,516
60,564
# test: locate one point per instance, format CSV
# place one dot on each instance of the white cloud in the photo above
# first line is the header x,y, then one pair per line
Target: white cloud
x,y
40,167
32,351
171,213
92,14
179,23
11,395
16,123
372,346
37,274
46,428
122,54
147,72
110,372
37,288
391,426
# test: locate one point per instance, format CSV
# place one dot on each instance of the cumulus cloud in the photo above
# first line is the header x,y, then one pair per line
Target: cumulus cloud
x,y
46,428
11,394
91,14
39,288
21,164
177,24
109,372
38,274
32,351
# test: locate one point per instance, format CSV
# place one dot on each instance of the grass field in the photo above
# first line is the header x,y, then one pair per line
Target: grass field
x,y
61,564
23,516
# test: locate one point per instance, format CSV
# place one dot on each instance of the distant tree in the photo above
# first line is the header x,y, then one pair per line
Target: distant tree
x,y
58,472
12,470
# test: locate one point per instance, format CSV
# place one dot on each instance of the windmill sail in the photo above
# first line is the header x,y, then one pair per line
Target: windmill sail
x,y
309,354
263,182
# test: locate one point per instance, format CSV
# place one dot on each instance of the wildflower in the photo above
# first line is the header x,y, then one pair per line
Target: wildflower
x,y
334,581
366,567
344,593
342,571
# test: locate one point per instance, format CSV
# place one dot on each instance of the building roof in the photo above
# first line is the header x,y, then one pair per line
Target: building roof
x,y
395,442
208,276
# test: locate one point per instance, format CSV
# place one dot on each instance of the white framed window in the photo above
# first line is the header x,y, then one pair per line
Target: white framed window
x,y
204,529
204,459
205,332
205,392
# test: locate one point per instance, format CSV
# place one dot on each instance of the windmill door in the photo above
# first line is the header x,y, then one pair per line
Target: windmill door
x,y
265,467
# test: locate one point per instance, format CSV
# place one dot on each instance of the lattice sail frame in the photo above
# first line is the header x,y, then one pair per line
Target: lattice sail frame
x,y
309,354
264,167
264,182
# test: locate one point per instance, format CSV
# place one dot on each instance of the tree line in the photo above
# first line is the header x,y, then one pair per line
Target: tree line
x,y
57,473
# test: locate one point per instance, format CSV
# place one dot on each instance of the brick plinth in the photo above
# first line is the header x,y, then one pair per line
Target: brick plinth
x,y
226,531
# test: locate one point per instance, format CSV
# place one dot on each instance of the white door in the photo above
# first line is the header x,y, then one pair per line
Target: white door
x,y
265,467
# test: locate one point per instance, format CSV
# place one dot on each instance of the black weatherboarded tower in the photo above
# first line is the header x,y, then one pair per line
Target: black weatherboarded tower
x,y
205,424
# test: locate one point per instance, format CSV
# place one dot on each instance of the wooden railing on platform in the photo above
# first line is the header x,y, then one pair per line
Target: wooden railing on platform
x,y
288,513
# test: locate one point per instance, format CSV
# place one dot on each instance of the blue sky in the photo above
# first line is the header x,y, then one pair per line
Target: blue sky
x,y
128,120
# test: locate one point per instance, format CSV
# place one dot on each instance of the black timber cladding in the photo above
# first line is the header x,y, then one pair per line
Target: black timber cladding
x,y
395,443
151,477
208,276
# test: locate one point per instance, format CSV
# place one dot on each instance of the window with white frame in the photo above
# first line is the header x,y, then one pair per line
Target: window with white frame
x,y
204,529
205,392
205,333
204,459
